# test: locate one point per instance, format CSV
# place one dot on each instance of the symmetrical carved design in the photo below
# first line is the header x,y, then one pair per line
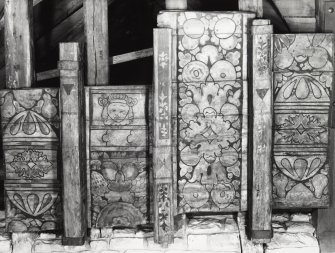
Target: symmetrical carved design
x,y
210,88
303,66
33,209
30,129
117,154
31,164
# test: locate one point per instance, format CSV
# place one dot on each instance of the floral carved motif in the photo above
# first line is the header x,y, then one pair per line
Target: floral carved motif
x,y
31,164
303,65
209,112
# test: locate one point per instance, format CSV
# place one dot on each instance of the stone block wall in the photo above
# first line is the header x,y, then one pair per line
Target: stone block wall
x,y
206,234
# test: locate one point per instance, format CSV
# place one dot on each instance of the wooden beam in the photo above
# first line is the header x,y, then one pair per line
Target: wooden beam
x,y
162,146
19,48
251,5
132,56
45,75
261,227
176,4
96,33
71,103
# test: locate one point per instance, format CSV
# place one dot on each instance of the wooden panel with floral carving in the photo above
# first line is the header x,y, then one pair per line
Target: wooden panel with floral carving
x,y
303,80
117,153
30,138
212,110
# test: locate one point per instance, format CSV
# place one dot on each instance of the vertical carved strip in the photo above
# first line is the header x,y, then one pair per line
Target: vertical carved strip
x,y
252,6
19,43
96,32
262,129
162,148
71,97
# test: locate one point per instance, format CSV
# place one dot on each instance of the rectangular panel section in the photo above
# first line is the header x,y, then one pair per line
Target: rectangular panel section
x,y
212,132
30,129
301,110
33,207
303,52
117,153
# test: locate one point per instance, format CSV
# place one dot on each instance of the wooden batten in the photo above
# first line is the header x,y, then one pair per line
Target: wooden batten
x,y
96,33
262,130
19,48
73,159
162,144
251,5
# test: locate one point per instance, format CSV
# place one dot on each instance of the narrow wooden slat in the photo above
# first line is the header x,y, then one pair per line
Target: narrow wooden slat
x,y
19,46
45,75
131,56
262,130
162,146
96,32
73,159
251,5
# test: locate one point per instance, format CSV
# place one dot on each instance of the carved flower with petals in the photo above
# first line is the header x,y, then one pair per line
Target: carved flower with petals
x,y
31,164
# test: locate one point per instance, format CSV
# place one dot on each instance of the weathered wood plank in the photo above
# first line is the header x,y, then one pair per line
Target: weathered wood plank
x,y
300,8
162,146
251,5
45,75
302,88
96,33
261,226
131,56
325,217
19,48
73,159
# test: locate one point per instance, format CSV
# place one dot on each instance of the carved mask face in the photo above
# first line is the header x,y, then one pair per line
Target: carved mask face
x,y
118,111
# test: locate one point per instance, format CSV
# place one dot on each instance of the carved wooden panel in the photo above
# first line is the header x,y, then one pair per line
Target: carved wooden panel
x,y
162,143
262,120
303,80
209,67
30,130
117,153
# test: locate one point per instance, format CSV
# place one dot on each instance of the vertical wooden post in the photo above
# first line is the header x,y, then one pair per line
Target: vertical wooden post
x,y
176,4
162,145
71,105
325,217
251,5
325,15
262,129
96,32
19,43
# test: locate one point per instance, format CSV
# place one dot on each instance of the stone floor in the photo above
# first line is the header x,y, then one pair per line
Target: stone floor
x,y
210,234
